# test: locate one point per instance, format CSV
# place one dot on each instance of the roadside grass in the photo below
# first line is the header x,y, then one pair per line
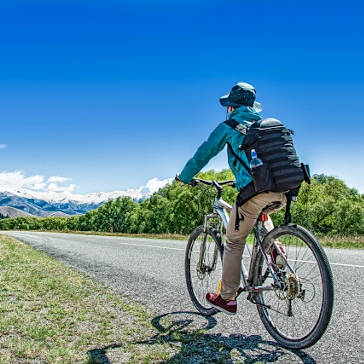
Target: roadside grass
x,y
105,233
345,242
52,314
336,241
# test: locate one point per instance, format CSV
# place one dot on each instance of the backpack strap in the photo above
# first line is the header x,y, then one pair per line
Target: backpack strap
x,y
248,191
237,126
245,194
237,158
243,130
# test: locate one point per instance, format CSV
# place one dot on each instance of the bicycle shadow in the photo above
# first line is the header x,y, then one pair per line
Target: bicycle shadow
x,y
187,331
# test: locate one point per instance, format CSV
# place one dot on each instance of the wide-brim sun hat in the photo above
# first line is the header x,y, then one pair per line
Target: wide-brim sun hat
x,y
242,94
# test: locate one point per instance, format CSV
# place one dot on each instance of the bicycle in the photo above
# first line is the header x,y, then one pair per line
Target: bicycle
x,y
294,300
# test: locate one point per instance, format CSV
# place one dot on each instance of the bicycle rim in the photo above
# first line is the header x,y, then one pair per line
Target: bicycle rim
x,y
203,271
300,311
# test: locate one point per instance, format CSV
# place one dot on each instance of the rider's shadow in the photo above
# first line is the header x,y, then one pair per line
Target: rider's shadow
x,y
187,331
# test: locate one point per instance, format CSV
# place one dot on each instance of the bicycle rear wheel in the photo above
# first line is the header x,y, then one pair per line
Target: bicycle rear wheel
x,y
298,312
203,267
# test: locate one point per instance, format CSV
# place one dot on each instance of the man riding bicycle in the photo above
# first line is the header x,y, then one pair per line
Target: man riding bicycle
x,y
242,108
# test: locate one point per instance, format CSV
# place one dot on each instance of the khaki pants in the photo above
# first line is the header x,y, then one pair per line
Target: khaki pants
x,y
235,239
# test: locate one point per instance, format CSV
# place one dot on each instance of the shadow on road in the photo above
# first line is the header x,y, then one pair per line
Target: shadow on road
x,y
186,332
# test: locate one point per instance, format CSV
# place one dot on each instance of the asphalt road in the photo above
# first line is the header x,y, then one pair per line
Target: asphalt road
x,y
152,272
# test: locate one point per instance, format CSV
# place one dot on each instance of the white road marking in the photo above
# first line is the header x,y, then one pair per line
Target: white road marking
x,y
331,263
245,256
152,246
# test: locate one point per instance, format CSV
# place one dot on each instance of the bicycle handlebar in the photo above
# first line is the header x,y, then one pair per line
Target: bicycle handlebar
x,y
216,184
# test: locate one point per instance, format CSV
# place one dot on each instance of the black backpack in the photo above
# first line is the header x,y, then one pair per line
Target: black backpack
x,y
281,170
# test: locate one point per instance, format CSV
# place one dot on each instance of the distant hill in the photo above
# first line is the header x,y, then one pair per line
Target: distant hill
x,y
58,213
8,211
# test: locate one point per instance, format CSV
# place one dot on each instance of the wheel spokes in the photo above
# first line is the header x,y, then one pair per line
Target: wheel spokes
x,y
205,270
296,308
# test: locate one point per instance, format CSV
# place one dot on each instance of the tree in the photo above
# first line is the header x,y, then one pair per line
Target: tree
x,y
326,206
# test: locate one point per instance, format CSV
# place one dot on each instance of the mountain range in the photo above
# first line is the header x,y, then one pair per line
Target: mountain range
x,y
12,205
25,202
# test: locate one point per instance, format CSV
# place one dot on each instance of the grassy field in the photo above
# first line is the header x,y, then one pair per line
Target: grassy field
x,y
51,314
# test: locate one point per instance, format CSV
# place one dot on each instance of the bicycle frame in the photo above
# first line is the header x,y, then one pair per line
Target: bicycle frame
x,y
221,209
272,285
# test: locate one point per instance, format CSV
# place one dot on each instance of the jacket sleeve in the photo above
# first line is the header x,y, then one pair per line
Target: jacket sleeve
x,y
207,150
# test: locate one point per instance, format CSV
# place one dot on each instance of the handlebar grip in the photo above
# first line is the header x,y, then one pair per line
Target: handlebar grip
x,y
216,184
227,183
198,180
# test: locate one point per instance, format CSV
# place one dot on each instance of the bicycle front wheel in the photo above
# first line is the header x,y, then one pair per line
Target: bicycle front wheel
x,y
203,267
297,311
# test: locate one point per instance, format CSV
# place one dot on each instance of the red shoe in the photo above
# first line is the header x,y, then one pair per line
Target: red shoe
x,y
227,306
277,258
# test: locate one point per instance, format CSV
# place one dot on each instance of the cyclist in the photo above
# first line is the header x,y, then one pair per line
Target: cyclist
x,y
241,107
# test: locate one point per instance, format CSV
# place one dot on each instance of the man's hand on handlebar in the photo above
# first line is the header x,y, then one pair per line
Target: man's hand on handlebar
x,y
193,183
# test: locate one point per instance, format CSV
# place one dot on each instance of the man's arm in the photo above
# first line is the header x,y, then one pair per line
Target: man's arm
x,y
207,150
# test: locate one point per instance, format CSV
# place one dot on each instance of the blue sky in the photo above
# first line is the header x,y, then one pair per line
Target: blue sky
x,y
114,93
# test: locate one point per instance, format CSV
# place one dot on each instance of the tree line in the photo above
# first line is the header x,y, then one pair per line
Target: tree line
x,y
326,206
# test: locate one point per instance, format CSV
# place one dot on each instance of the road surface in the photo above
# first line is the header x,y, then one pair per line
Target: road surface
x,y
152,272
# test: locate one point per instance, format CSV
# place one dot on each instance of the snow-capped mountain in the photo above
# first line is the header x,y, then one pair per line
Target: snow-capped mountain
x,y
37,207
137,194
47,203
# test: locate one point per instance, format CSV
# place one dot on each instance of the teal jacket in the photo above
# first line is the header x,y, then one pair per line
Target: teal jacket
x,y
216,142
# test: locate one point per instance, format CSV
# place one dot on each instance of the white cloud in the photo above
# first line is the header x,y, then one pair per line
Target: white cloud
x,y
154,184
14,181
56,188
58,179
38,186
3,146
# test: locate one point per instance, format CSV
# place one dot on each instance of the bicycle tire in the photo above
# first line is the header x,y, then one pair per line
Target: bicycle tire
x,y
303,335
191,261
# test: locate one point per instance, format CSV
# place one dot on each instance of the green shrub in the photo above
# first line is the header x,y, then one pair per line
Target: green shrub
x,y
326,206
